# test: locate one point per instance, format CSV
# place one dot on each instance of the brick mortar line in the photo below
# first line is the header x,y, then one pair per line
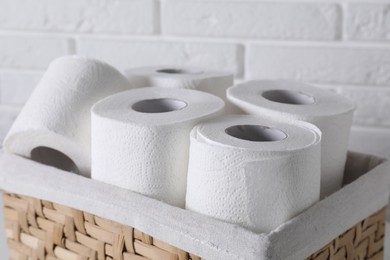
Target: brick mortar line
x,y
197,39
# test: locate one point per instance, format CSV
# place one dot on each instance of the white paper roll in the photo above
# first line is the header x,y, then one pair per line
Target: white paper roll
x,y
54,125
286,100
140,139
213,82
253,171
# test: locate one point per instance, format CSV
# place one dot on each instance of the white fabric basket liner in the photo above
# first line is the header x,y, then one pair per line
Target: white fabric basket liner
x,y
366,191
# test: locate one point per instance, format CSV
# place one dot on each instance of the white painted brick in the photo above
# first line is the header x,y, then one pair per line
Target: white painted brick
x,y
252,19
8,116
360,66
372,104
31,52
368,21
107,16
126,54
17,86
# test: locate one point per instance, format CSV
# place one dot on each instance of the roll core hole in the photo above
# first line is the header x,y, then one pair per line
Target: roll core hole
x,y
52,157
179,71
288,97
160,105
256,133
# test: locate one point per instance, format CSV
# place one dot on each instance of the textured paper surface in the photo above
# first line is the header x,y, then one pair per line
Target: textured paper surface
x,y
258,185
213,82
330,112
57,115
148,152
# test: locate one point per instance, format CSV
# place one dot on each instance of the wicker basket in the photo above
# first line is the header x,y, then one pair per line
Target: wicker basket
x,y
40,229
44,230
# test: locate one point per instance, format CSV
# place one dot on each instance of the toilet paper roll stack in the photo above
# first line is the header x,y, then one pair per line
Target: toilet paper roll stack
x,y
54,125
253,171
140,139
213,82
287,100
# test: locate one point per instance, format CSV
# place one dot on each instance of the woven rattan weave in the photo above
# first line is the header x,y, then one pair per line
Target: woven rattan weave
x,y
38,229
364,241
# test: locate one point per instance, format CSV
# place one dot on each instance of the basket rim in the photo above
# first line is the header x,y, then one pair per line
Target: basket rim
x,y
193,232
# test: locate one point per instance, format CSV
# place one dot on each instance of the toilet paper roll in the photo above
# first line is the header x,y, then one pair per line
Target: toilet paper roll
x,y
213,82
140,139
253,171
54,125
286,100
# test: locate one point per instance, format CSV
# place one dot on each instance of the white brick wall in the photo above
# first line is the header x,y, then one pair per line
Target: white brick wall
x,y
343,44
373,103
336,64
30,51
16,86
368,22
126,53
252,19
7,115
134,16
